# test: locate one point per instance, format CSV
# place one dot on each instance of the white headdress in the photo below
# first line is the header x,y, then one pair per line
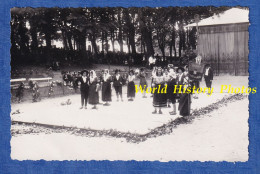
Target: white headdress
x,y
107,75
93,77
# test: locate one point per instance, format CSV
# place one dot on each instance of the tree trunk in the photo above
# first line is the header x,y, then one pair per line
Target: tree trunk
x,y
128,45
132,41
94,45
171,50
83,43
48,40
175,52
64,39
93,37
163,52
161,40
120,32
48,46
74,43
131,30
23,43
112,34
33,31
146,34
106,41
172,44
69,36
144,48
102,41
180,43
113,40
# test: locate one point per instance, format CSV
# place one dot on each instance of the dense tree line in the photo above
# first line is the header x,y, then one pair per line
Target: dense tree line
x,y
143,30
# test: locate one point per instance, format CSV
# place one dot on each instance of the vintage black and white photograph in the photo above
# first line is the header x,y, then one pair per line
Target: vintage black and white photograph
x,y
138,83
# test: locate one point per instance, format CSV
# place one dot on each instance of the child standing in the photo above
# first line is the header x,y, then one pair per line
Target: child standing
x,y
35,92
84,88
118,83
143,82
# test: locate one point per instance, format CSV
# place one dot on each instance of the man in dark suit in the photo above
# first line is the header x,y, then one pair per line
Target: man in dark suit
x,y
208,75
84,88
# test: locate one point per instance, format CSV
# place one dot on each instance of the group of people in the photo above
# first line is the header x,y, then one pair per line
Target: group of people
x,y
176,79
171,76
156,61
90,85
69,78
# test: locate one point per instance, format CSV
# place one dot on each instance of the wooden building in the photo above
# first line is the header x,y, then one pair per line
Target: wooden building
x,y
223,41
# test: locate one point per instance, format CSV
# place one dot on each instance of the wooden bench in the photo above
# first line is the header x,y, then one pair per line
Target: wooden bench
x,y
40,79
16,82
44,81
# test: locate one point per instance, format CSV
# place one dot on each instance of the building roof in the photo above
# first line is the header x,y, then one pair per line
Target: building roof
x,y
231,16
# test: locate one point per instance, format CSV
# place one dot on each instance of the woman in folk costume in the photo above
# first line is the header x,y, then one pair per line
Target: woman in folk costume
x,y
159,97
179,81
100,78
93,89
170,90
131,86
106,81
186,70
185,99
195,81
118,83
143,82
84,88
167,79
36,92
153,76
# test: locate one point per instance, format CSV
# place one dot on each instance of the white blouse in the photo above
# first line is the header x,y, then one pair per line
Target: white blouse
x,y
106,77
131,78
84,79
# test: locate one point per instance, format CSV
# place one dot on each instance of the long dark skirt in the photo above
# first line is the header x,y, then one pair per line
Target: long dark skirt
x,y
208,83
195,83
184,104
159,99
170,91
178,94
131,89
93,94
106,92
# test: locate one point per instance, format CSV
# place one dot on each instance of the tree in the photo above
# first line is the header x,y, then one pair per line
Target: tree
x,y
130,28
146,30
144,18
